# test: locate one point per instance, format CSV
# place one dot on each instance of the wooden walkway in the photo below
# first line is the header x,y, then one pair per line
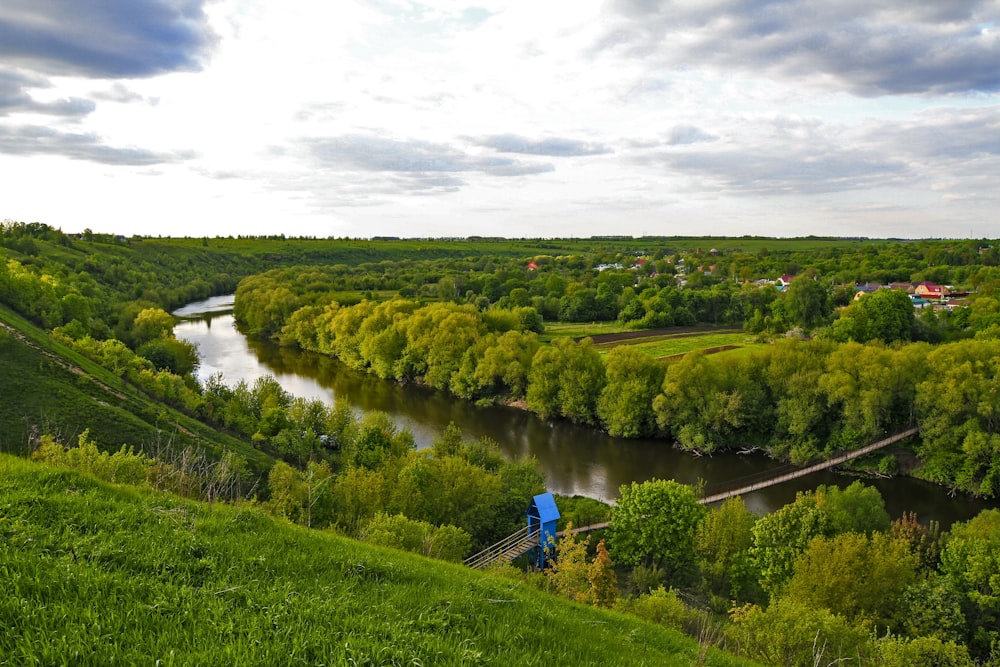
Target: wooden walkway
x,y
522,541
802,472
769,479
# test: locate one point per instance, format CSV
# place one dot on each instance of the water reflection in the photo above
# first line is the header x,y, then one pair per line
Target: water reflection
x,y
575,460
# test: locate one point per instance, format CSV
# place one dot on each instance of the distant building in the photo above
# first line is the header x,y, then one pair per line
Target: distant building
x,y
929,290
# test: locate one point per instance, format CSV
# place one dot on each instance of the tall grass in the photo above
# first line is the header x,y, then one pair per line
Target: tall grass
x,y
98,574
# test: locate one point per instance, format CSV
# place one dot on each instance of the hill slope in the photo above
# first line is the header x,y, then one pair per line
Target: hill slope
x,y
48,388
100,574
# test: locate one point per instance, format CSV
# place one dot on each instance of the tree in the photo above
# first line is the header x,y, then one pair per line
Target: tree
x,y
167,353
287,491
566,379
927,651
958,408
858,577
397,531
789,632
625,405
932,607
971,557
855,509
885,315
806,301
358,494
656,523
602,578
568,570
724,539
150,324
377,442
504,366
779,538
708,403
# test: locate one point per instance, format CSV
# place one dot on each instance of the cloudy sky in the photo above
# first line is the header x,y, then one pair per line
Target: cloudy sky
x,y
502,117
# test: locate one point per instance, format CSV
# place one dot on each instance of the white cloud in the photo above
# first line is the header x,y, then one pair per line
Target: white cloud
x,y
415,118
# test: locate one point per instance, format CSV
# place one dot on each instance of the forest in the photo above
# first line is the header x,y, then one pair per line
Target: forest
x,y
828,577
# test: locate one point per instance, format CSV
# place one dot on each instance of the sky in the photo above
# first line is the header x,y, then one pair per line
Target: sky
x,y
444,118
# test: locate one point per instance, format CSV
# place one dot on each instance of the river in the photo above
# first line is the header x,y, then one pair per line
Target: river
x,y
575,459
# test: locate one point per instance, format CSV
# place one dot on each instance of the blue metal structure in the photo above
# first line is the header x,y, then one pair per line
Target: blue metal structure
x,y
542,517
539,535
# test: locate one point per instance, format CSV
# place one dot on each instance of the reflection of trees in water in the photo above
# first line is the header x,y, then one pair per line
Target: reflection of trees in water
x,y
575,459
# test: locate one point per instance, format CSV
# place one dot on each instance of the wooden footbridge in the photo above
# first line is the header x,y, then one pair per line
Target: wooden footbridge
x,y
535,533
770,478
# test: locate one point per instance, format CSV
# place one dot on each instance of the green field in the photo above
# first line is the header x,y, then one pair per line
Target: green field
x,y
657,345
660,347
98,574
555,330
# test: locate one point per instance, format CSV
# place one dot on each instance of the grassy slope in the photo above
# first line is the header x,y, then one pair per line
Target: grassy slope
x,y
99,574
47,386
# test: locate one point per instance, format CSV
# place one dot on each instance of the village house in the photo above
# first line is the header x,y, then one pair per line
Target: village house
x,y
929,290
865,288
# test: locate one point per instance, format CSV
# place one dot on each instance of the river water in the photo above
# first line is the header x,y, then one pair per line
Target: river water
x,y
575,459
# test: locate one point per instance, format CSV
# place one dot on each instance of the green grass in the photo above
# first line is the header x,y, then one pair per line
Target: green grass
x,y
657,346
97,574
668,346
555,330
48,388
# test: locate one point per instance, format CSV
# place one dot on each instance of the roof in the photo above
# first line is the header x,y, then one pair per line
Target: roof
x,y
545,504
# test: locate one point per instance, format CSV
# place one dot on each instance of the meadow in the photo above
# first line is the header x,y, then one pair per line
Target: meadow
x,y
99,574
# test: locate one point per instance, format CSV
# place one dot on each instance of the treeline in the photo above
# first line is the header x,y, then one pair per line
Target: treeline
x,y
97,283
825,579
796,400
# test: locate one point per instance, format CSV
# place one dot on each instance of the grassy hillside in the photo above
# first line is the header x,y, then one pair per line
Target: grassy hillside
x,y
102,574
48,388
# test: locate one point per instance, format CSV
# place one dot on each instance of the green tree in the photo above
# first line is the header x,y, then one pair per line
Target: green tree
x,y
854,509
358,495
708,404
958,409
779,538
150,324
858,577
168,353
885,315
971,557
286,490
377,442
724,539
789,632
932,607
806,301
397,531
656,523
566,379
568,570
925,651
625,405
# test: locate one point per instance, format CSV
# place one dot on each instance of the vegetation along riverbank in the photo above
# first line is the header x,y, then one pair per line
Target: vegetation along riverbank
x,y
130,451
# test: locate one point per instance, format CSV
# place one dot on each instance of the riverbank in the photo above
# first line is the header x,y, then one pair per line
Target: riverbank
x,y
576,460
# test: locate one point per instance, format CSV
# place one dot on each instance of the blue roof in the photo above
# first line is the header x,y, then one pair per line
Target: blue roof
x,y
546,506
